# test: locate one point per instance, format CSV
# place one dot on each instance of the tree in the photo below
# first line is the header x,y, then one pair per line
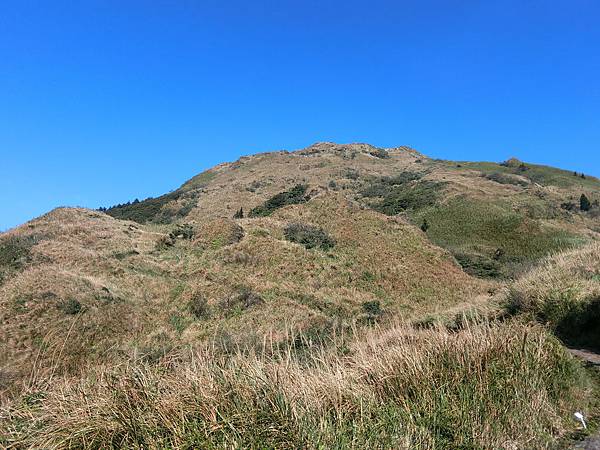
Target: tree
x,y
583,176
239,214
584,203
425,226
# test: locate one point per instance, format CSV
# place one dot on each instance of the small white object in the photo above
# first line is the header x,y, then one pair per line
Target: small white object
x,y
579,416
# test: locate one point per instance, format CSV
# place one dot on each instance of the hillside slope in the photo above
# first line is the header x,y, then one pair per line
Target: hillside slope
x,y
406,237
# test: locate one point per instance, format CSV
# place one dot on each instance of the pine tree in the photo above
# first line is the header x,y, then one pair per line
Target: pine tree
x,y
584,203
425,226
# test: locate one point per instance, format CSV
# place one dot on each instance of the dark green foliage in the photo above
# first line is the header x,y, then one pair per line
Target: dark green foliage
x,y
425,226
379,153
584,203
408,197
372,308
144,211
198,306
152,209
70,306
239,214
569,206
309,236
332,184
294,196
384,186
183,231
479,266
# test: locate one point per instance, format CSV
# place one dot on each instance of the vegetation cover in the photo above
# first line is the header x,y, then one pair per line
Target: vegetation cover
x,y
341,296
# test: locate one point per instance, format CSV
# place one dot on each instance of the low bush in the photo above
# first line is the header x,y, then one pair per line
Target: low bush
x,y
309,236
479,266
409,197
198,306
380,153
154,209
70,306
182,231
294,196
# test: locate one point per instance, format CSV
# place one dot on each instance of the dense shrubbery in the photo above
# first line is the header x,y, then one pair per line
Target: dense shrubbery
x,y
198,306
409,197
294,196
309,236
70,306
380,153
152,209
15,252
584,203
401,192
479,266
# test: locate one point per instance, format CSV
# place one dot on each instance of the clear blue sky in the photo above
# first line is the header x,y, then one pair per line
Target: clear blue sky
x,y
105,101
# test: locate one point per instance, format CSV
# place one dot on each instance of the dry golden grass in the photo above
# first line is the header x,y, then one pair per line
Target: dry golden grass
x,y
487,386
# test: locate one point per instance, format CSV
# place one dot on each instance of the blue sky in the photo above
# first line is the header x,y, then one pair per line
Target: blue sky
x,y
105,101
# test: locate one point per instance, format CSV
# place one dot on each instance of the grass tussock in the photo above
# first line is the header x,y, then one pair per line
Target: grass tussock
x,y
563,292
487,386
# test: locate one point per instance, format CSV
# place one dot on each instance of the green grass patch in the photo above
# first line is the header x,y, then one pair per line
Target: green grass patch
x,y
489,238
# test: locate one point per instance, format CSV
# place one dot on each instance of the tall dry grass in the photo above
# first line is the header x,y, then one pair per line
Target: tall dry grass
x,y
564,293
488,386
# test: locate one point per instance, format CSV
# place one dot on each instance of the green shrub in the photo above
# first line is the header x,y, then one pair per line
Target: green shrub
x,y
70,306
183,231
309,236
409,197
479,266
380,153
294,196
198,306
152,209
584,203
373,308
239,214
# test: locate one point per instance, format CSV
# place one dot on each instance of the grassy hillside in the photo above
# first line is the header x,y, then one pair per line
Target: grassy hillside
x,y
304,261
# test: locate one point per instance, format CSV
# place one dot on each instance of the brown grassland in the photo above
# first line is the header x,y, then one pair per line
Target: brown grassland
x,y
425,304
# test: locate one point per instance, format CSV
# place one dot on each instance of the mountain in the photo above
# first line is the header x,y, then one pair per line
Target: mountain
x,y
294,249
